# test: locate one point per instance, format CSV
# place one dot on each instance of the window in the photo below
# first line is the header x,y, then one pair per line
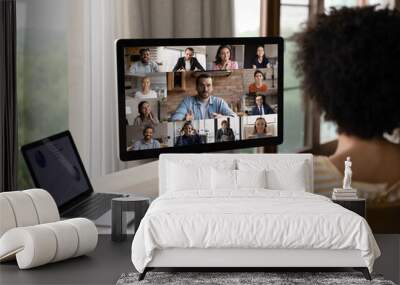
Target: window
x,y
42,73
293,14
247,18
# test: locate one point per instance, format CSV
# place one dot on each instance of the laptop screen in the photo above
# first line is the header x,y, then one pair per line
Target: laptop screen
x,y
55,166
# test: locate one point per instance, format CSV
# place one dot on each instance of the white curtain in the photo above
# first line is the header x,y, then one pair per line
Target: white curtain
x,y
94,27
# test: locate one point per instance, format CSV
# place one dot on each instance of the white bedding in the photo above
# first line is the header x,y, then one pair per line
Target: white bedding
x,y
251,218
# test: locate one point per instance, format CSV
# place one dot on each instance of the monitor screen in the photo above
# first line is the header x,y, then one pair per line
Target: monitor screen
x,y
198,95
55,165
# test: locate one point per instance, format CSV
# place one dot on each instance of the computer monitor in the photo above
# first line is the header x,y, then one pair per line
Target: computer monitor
x,y
198,95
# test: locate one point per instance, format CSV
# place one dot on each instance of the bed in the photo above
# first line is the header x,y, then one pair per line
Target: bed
x,y
247,211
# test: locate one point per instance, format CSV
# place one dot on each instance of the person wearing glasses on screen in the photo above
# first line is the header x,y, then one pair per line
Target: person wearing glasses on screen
x,y
145,64
188,62
260,60
203,105
146,116
223,59
188,136
261,108
147,142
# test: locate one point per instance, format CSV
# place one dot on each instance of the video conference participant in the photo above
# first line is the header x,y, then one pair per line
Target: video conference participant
x,y
203,105
146,116
260,60
225,133
188,62
223,59
261,108
188,136
147,142
260,129
146,92
145,64
258,85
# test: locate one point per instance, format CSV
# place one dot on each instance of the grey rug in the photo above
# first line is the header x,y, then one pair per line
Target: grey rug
x,y
225,278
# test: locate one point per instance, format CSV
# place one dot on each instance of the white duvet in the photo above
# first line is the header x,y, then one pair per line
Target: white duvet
x,y
252,218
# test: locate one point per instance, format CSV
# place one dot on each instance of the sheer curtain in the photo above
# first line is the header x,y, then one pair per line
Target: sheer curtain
x,y
95,26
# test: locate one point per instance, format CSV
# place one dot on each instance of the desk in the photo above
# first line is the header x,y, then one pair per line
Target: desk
x,y
102,266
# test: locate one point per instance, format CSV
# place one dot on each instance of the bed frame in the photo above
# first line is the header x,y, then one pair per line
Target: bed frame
x,y
250,259
234,259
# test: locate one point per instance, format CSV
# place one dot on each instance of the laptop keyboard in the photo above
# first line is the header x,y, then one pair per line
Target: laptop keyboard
x,y
93,207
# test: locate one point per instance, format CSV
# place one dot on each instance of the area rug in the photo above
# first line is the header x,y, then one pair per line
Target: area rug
x,y
225,278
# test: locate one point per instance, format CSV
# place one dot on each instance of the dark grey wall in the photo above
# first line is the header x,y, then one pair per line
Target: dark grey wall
x,y
389,262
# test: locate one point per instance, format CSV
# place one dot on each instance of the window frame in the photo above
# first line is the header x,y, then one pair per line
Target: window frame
x,y
270,26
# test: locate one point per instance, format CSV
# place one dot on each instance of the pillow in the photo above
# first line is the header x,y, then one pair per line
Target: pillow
x,y
183,177
251,178
294,178
223,179
281,174
226,179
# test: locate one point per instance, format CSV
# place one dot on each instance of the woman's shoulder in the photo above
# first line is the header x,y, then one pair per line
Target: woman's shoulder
x,y
326,175
137,121
322,163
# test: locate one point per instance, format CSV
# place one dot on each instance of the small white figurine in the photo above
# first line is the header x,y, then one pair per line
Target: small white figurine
x,y
347,174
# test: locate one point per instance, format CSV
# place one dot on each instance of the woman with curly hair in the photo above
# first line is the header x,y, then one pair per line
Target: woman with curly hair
x,y
349,61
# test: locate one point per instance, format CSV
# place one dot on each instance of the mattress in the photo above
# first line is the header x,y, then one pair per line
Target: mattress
x,y
250,218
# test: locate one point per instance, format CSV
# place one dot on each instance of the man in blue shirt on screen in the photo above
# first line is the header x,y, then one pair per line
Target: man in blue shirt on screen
x,y
145,64
203,105
147,142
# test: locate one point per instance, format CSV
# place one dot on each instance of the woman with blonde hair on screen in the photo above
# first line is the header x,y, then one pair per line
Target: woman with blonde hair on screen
x,y
146,92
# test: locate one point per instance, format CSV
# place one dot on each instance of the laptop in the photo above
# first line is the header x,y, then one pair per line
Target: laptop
x,y
55,165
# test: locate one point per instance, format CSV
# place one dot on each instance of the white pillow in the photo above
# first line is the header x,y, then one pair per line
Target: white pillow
x,y
281,174
183,177
224,179
251,178
294,178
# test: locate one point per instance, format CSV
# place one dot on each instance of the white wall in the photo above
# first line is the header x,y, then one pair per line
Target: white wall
x,y
139,180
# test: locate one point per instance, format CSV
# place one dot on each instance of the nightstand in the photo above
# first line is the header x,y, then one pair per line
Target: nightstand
x,y
119,208
358,205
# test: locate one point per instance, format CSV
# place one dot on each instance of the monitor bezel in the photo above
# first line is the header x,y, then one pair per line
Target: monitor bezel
x,y
121,44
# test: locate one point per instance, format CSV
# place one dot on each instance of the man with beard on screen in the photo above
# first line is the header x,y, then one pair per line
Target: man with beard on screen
x,y
203,105
147,142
